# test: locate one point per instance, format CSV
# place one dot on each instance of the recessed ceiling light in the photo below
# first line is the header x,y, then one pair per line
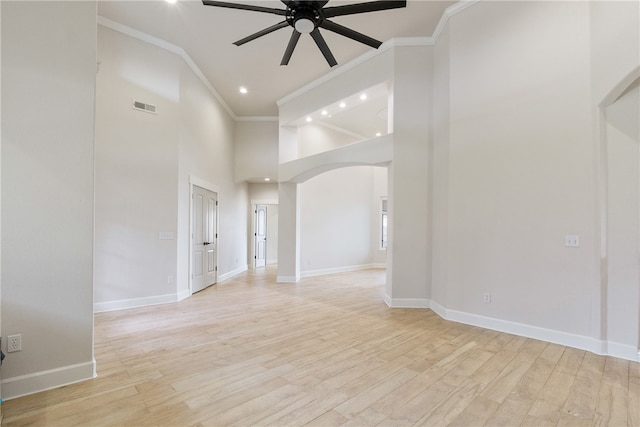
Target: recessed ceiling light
x,y
309,119
267,179
325,112
363,96
342,105
171,1
243,90
378,134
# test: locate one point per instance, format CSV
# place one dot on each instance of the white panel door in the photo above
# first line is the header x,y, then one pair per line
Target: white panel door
x,y
204,269
261,236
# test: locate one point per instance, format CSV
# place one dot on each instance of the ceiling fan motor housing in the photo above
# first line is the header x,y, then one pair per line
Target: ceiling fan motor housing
x,y
304,17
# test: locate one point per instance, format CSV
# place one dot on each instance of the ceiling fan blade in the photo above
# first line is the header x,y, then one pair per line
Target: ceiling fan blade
x,y
281,12
317,37
293,41
372,6
352,34
261,33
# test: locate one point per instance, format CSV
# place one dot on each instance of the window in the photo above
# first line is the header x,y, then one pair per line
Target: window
x,y
384,217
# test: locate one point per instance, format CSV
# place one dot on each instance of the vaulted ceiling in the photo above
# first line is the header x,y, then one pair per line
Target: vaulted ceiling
x,y
207,35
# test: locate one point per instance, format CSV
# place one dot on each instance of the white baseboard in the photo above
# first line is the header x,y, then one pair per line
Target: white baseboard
x,y
122,304
407,302
312,273
23,385
581,342
183,294
622,351
232,273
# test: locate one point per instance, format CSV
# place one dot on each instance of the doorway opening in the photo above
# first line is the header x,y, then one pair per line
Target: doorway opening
x,y
264,245
204,242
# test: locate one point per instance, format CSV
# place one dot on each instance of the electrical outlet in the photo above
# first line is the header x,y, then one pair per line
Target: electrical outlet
x,y
486,297
169,279
572,241
14,343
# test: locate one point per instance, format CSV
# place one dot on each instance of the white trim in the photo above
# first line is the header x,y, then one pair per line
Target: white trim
x,y
265,201
194,180
232,273
288,279
36,382
313,273
406,302
183,294
622,351
448,13
581,342
257,119
171,48
123,304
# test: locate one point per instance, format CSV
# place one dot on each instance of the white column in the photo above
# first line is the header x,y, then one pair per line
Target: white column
x,y
288,233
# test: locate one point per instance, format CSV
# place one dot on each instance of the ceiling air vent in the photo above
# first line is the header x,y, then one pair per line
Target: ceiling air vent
x,y
137,105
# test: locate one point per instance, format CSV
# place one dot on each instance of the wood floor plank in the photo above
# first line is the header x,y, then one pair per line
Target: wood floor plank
x,y
325,352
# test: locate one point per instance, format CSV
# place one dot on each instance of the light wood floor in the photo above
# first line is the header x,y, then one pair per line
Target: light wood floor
x,y
326,352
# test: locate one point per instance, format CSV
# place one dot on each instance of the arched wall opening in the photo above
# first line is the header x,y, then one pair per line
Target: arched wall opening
x,y
620,222
340,220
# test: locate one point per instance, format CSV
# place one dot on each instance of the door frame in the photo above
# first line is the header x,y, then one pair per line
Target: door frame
x,y
254,207
197,182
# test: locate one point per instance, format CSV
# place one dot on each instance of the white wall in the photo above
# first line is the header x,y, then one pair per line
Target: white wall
x,y
440,169
313,139
521,165
206,152
136,168
516,168
409,250
256,150
48,84
144,164
336,220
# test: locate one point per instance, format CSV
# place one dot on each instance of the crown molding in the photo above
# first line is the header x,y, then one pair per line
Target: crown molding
x,y
448,13
257,119
171,48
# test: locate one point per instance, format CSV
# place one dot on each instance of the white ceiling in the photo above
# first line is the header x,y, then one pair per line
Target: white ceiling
x,y
207,33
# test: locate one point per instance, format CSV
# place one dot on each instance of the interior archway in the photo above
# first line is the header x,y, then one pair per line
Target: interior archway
x,y
621,272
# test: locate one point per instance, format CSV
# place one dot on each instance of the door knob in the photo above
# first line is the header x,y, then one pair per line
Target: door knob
x,y
206,243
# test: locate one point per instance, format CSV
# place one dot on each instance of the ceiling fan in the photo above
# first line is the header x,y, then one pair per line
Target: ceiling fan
x,y
307,17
